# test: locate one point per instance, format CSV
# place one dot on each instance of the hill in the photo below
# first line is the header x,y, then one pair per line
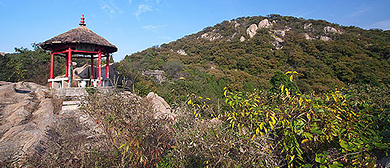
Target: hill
x,y
246,52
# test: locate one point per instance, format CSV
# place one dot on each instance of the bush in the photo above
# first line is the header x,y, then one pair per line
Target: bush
x,y
331,129
127,135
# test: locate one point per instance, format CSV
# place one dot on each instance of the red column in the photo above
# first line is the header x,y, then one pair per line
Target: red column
x,y
100,67
66,66
91,70
108,66
51,68
70,67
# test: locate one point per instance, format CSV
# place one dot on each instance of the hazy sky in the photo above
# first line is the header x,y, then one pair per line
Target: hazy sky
x,y
134,25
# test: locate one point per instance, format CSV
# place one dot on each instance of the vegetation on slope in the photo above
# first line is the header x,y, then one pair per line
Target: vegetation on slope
x,y
342,128
241,108
215,57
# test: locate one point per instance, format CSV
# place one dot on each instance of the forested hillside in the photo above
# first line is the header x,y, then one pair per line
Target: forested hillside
x,y
273,91
245,53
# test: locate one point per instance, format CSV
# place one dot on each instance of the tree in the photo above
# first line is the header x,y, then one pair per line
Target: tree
x,y
280,79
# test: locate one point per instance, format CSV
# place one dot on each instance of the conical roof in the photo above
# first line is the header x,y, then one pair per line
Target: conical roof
x,y
79,35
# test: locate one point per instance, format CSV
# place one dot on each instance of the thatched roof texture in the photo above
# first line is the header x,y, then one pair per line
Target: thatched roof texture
x,y
79,35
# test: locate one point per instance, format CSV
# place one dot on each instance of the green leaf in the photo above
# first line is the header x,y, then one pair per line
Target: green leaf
x,y
343,144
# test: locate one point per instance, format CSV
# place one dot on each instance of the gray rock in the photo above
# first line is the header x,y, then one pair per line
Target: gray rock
x,y
307,37
307,26
280,33
181,52
265,23
325,38
242,38
160,108
252,30
26,116
384,162
328,30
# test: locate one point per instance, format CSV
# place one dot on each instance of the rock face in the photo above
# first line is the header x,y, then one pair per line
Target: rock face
x,y
252,30
236,25
307,37
265,24
307,26
325,38
328,30
211,36
280,33
242,38
160,107
181,52
158,74
26,112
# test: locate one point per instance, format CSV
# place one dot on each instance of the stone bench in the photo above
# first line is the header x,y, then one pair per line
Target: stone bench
x,y
60,81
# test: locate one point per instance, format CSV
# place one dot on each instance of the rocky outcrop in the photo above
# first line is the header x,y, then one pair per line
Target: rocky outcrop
x,y
211,36
242,38
280,33
252,30
82,72
205,36
236,25
307,37
328,30
307,26
325,38
181,52
160,108
279,40
158,74
26,112
265,24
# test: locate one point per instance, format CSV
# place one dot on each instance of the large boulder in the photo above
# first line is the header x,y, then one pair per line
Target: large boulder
x,y
328,30
242,38
325,38
181,52
307,26
26,112
265,23
252,30
160,108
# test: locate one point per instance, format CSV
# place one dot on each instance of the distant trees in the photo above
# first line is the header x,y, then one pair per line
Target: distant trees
x,y
28,65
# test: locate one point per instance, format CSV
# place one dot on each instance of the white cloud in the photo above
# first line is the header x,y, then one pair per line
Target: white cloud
x,y
110,7
360,11
130,1
153,28
149,27
385,25
142,9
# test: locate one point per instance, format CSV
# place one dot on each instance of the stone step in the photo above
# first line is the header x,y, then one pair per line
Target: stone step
x,y
68,103
70,107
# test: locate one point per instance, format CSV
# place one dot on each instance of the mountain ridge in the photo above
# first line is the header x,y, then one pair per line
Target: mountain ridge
x,y
247,51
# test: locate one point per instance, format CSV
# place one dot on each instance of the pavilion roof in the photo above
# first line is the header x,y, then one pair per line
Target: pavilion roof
x,y
79,35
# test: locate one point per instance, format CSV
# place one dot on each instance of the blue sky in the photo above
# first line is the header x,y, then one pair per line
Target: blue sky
x,y
134,25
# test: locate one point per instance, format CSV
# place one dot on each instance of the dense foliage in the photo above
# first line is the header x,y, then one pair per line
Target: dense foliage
x,y
28,65
341,128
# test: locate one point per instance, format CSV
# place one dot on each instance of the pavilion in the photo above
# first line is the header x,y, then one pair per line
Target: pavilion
x,y
79,43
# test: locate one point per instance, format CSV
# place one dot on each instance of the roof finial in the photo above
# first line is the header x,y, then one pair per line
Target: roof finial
x,y
82,22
